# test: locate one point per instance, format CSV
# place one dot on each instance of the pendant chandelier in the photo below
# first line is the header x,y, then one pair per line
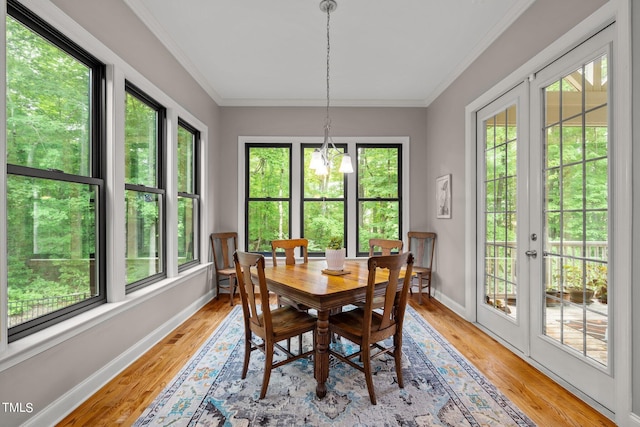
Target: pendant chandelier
x,y
322,157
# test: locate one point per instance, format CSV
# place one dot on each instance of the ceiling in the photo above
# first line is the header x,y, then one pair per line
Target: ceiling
x,y
274,53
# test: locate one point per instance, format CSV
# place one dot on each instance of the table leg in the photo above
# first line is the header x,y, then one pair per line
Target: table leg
x,y
321,358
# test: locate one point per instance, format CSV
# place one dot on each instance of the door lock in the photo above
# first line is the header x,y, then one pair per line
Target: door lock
x,y
532,254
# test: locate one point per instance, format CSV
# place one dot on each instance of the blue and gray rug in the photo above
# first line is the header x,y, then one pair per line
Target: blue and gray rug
x,y
441,388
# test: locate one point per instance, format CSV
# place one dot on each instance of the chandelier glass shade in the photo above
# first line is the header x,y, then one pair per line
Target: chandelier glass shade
x,y
322,158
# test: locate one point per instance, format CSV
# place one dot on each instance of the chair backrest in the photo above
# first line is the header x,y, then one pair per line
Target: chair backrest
x,y
257,314
289,245
223,245
395,301
385,245
422,245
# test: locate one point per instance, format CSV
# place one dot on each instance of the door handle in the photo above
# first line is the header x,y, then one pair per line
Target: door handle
x,y
532,254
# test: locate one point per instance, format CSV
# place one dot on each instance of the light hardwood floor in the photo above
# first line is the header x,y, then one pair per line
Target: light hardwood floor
x,y
122,400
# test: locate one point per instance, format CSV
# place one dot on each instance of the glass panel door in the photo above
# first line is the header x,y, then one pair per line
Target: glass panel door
x,y
576,234
570,170
501,299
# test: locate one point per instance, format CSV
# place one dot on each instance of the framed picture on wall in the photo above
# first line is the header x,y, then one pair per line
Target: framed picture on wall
x,y
443,196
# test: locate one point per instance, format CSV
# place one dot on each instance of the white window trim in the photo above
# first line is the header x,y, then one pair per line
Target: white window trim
x,y
350,142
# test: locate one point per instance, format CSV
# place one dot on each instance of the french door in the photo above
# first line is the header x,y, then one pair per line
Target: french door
x,y
544,218
502,304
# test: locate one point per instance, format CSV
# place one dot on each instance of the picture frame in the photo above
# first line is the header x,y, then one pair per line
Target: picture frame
x,y
443,197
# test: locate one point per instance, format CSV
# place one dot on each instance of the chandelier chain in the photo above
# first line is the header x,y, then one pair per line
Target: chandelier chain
x,y
328,119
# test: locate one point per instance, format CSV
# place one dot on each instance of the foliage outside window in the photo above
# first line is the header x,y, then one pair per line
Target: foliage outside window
x,y
144,189
324,201
188,198
54,184
379,194
268,204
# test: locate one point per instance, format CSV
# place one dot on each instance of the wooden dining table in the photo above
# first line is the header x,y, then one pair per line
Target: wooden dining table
x,y
307,284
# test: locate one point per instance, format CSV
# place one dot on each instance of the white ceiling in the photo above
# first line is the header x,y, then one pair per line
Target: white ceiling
x,y
383,53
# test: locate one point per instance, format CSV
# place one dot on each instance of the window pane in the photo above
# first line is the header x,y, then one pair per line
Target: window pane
x,y
378,219
269,172
186,160
48,99
576,215
51,242
323,220
141,143
267,221
143,235
330,186
187,224
378,172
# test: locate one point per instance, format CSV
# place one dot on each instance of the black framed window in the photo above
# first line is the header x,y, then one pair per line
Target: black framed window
x,y
55,188
324,202
379,200
268,195
188,195
144,189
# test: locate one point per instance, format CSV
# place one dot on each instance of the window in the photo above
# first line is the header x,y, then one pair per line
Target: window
x,y
324,202
144,189
188,198
379,194
55,188
268,201
283,199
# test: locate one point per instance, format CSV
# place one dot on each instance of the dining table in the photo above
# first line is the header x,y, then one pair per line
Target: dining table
x,y
307,284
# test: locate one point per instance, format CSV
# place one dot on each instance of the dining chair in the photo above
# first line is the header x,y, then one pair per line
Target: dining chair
x,y
289,246
368,328
385,246
270,325
223,245
422,244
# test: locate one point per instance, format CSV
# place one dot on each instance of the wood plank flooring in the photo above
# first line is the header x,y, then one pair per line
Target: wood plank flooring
x,y
122,400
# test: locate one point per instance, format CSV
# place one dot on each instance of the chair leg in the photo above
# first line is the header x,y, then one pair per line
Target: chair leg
x,y
366,360
232,289
397,354
268,362
217,287
247,355
419,288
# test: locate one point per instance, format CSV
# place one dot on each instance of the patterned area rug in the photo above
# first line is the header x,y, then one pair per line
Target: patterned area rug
x,y
441,388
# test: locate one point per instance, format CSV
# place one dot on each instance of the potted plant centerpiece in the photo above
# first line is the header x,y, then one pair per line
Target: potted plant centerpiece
x,y
335,254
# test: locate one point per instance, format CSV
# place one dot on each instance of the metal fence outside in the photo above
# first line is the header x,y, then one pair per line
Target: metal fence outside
x,y
25,310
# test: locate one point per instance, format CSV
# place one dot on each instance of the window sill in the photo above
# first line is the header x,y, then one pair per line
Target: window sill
x,y
32,345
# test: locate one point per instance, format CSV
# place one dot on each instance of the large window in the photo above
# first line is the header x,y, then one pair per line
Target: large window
x,y
324,202
285,199
144,188
379,194
268,201
188,198
55,190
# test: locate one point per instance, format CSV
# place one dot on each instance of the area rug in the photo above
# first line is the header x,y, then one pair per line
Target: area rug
x,y
441,388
